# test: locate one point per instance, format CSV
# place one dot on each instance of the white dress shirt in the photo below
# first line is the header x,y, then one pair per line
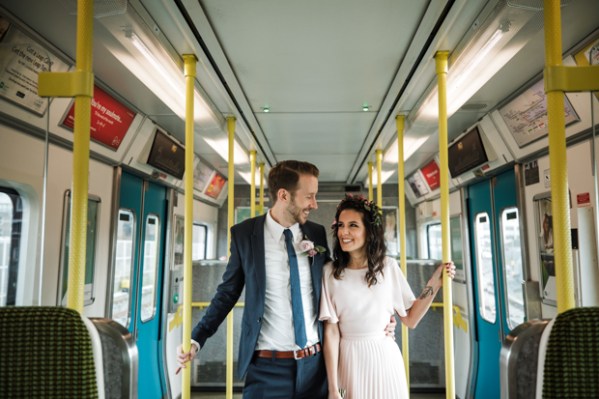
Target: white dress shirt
x,y
277,322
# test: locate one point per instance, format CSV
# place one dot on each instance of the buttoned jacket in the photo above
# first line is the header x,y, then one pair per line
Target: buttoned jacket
x,y
246,268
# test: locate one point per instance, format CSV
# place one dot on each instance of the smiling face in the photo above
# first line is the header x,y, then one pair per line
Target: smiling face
x,y
302,201
351,232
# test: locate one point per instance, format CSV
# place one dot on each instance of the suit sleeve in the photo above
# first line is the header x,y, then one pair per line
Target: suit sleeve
x,y
227,294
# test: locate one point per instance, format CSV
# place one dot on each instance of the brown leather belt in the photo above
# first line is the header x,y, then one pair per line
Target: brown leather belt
x,y
300,354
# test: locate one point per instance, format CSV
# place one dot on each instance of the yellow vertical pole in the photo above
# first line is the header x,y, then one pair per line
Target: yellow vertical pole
x,y
79,84
189,71
230,216
557,164
379,178
441,64
253,183
370,188
261,169
401,193
78,234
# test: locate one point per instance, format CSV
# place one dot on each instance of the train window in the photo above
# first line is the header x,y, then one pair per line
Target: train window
x,y
11,212
198,248
93,206
512,260
150,264
433,236
121,293
484,266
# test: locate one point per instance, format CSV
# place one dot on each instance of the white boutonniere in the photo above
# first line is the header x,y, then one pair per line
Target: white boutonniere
x,y
308,247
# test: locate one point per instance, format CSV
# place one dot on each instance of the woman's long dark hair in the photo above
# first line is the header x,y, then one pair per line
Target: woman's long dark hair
x,y
375,237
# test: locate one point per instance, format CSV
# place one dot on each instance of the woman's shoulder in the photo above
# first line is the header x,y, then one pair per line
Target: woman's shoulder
x,y
390,262
327,269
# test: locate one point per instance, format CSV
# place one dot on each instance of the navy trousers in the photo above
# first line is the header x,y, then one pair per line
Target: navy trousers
x,y
286,378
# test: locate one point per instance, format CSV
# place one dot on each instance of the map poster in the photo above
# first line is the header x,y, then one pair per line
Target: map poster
x,y
526,115
589,55
21,60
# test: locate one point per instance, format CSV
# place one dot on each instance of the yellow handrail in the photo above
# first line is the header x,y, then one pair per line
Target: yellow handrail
x,y
230,222
405,343
79,84
556,119
189,71
253,183
441,69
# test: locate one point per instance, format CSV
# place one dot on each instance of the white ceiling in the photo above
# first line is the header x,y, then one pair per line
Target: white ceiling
x,y
313,62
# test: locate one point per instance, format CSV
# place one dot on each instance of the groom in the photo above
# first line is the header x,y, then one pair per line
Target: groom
x,y
282,358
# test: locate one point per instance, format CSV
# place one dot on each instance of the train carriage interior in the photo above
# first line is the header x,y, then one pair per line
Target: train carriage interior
x,y
441,111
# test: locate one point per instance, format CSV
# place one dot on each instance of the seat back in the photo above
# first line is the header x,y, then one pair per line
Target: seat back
x,y
120,359
519,358
45,352
571,368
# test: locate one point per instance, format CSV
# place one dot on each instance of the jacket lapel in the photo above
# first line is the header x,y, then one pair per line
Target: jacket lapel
x,y
257,246
315,265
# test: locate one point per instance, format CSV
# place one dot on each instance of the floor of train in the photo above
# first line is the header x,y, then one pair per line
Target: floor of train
x,y
210,395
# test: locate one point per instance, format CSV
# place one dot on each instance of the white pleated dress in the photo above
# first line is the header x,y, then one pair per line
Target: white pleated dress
x,y
370,363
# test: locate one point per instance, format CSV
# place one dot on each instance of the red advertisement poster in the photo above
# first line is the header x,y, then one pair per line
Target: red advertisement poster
x,y
110,119
430,171
216,185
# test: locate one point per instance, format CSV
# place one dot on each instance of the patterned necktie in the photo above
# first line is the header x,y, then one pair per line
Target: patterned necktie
x,y
299,326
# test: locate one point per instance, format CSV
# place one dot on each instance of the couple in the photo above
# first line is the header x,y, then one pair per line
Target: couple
x,y
345,306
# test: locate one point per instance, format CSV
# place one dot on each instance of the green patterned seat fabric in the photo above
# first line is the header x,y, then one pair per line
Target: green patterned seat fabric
x,y
572,362
45,352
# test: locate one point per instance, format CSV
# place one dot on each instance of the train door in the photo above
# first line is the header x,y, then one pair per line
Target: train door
x,y
497,265
138,275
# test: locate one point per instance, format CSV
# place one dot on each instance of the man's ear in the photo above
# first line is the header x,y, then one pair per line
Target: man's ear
x,y
283,195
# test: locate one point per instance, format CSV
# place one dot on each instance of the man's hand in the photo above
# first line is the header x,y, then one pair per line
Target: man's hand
x,y
390,328
185,357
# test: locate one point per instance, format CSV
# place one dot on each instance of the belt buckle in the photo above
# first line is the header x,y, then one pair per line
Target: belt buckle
x,y
295,354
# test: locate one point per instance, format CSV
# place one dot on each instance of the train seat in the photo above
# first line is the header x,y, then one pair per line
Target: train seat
x,y
568,353
119,360
47,352
519,359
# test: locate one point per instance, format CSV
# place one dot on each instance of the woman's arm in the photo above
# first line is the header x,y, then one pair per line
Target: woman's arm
x,y
424,301
331,357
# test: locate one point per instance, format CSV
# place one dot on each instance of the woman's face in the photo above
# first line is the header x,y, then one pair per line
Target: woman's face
x,y
351,232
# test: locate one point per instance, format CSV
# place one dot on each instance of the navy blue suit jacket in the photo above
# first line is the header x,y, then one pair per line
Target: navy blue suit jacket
x,y
246,267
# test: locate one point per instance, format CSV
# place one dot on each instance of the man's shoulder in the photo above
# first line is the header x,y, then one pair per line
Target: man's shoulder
x,y
249,224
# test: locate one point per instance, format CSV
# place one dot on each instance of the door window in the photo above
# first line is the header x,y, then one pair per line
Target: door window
x,y
484,264
433,235
198,251
121,293
512,258
149,277
11,214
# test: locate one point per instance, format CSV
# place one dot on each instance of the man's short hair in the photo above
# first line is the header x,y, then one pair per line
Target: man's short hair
x,y
286,174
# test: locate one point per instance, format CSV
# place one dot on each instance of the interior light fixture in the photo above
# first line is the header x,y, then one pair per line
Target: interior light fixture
x,y
221,146
365,107
479,58
266,108
410,146
385,175
170,86
247,176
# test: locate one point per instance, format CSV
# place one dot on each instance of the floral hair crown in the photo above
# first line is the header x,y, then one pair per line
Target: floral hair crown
x,y
370,208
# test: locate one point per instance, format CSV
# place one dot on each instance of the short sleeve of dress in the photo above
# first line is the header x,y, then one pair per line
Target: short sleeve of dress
x,y
403,297
328,311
